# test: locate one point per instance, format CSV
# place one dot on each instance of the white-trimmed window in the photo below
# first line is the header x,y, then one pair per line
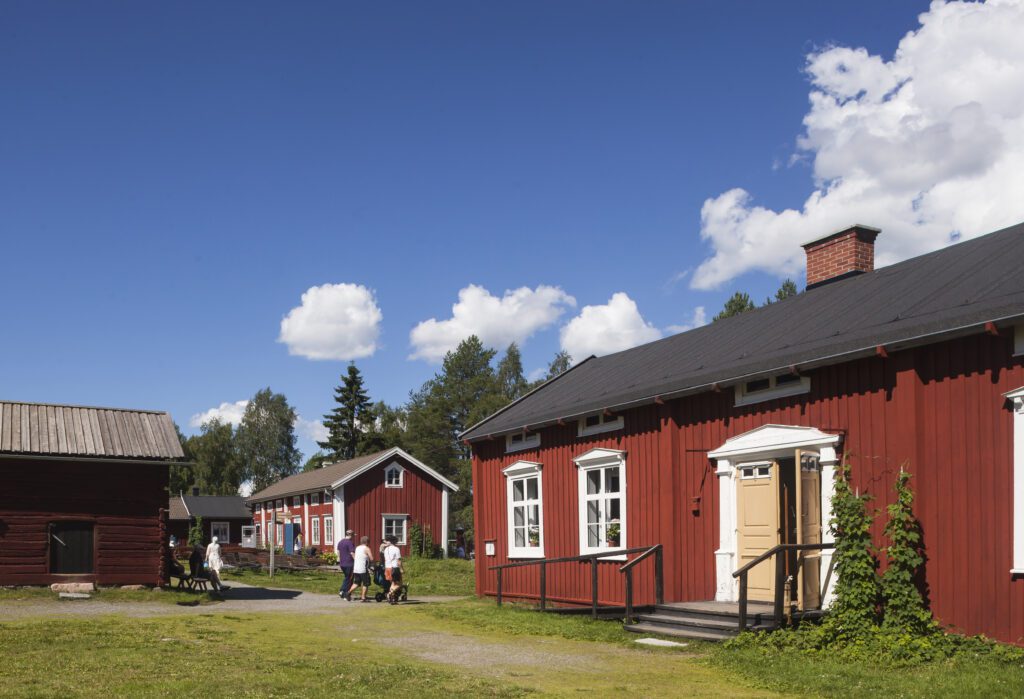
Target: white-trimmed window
x,y
259,533
602,500
1017,400
525,510
771,387
279,504
314,499
329,531
221,530
314,531
279,541
596,423
394,525
394,476
297,501
760,469
518,441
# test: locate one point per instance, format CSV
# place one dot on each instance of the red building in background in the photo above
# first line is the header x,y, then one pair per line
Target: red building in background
x,y
722,442
374,495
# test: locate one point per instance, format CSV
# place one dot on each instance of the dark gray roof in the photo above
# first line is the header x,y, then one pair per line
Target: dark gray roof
x,y
317,479
73,430
961,286
212,507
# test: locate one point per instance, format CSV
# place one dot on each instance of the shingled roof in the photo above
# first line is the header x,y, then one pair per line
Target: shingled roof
x,y
337,473
77,431
208,507
924,299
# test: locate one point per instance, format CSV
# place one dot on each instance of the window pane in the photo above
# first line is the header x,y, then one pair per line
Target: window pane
x,y
593,513
531,489
517,490
593,420
593,535
611,508
757,385
534,536
593,482
534,513
518,516
520,536
748,473
611,479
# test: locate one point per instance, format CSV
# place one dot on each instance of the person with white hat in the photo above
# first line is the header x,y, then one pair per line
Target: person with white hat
x,y
214,564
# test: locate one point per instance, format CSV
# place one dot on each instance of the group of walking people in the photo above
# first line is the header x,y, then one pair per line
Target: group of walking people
x,y
357,563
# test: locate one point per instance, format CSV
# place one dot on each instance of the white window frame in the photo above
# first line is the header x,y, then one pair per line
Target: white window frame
x,y
404,519
297,501
796,388
606,424
393,467
521,471
758,470
1016,399
278,505
521,441
600,459
328,530
314,531
226,539
314,499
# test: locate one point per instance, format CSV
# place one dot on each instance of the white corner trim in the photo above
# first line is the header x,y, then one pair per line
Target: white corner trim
x,y
1017,398
606,426
444,522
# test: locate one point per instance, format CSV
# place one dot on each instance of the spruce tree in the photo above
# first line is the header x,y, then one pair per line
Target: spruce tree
x,y
738,303
345,424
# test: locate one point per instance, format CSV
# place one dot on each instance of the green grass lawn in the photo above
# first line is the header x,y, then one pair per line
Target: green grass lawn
x,y
425,576
108,594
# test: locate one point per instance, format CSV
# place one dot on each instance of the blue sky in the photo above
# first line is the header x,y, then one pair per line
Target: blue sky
x,y
176,176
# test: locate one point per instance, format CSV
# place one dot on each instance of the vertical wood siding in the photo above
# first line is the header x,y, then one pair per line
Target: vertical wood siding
x,y
366,499
123,500
937,409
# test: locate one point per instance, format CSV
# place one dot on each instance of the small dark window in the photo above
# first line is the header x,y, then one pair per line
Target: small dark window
x,y
757,385
71,547
517,438
593,420
786,379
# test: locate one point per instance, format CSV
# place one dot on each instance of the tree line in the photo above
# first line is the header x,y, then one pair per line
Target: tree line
x,y
471,384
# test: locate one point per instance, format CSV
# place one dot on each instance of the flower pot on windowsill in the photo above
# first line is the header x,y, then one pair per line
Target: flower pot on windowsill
x,y
534,538
612,537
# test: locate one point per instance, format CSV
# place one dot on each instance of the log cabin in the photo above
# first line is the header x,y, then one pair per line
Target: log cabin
x,y
84,494
717,448
376,495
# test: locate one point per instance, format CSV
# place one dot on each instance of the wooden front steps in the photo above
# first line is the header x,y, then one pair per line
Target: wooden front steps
x,y
706,621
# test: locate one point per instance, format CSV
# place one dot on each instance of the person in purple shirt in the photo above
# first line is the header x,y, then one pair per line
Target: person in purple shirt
x,y
346,559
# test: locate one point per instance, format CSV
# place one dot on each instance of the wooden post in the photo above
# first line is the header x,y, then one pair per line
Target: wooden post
x,y
499,572
543,585
659,577
593,587
743,601
629,595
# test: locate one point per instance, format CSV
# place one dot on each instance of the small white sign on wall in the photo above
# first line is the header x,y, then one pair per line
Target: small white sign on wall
x,y
489,548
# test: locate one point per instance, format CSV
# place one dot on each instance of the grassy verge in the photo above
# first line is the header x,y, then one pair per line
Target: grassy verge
x,y
108,594
820,675
425,577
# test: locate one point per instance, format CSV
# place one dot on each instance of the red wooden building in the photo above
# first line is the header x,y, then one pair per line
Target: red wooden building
x,y
721,443
222,516
375,495
84,494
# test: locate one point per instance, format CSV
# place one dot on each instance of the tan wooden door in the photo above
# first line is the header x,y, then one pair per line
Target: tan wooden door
x,y
809,529
758,524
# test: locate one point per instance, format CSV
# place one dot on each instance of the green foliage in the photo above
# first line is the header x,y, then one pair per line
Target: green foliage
x,y
511,382
345,422
415,539
195,531
316,461
787,289
384,428
738,303
266,439
217,469
854,611
329,558
905,611
560,364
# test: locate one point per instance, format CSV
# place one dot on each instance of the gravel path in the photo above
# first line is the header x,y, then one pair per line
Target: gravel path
x,y
240,598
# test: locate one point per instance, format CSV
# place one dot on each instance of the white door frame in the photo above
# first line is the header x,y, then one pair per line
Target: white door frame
x,y
766,443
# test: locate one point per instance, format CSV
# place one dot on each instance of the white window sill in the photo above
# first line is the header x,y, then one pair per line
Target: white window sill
x,y
392,486
1016,571
526,553
612,556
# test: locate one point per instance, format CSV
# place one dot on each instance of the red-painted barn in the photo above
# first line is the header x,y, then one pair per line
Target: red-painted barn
x,y
84,494
383,493
721,443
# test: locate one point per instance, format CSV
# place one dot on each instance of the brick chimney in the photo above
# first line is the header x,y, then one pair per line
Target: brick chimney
x,y
839,255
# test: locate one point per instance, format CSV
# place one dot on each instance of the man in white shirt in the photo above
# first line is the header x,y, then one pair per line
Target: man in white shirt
x,y
361,568
393,568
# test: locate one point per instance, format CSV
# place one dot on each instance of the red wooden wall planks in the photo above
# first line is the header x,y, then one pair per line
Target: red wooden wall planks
x,y
937,409
367,498
123,499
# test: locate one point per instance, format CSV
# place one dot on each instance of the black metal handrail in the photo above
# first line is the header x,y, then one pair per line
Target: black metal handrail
x,y
593,559
776,552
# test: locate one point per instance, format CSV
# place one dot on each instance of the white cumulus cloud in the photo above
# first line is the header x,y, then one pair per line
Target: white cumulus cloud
x,y
334,321
700,317
614,326
513,317
928,146
311,429
225,412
